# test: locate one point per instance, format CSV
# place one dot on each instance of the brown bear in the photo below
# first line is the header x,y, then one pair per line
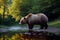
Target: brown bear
x,y
32,19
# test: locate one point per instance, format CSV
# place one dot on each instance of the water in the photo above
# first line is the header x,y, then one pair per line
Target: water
x,y
36,35
20,28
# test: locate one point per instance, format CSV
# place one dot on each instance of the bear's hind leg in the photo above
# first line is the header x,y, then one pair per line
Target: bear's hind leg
x,y
46,26
41,26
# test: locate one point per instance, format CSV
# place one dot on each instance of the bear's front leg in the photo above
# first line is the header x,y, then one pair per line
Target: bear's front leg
x,y
30,27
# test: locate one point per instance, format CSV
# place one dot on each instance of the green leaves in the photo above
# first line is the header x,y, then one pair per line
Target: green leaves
x,y
19,8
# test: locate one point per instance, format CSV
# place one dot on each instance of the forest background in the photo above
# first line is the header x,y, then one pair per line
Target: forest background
x,y
11,11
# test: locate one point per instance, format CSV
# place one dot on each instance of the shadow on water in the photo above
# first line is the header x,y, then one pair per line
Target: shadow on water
x,y
21,33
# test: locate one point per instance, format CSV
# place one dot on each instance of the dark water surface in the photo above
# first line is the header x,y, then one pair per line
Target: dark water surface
x,y
19,28
21,33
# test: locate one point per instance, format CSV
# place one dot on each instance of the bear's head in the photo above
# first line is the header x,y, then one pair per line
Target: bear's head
x,y
24,20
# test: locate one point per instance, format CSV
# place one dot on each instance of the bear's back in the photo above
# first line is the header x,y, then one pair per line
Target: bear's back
x,y
38,18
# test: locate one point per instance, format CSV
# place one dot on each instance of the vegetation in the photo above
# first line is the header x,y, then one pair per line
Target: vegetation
x,y
55,23
12,10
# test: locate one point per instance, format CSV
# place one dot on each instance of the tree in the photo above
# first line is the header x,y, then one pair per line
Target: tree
x,y
25,7
14,9
49,7
3,4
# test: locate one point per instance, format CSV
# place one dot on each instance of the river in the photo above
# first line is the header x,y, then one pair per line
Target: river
x,y
25,28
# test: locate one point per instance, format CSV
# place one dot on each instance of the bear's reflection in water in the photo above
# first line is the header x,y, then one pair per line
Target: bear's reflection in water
x,y
42,35
36,35
33,35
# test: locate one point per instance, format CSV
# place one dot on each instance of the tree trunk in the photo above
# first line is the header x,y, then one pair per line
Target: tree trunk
x,y
3,14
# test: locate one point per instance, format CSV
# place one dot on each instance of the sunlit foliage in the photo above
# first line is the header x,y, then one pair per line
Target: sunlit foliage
x,y
14,9
3,3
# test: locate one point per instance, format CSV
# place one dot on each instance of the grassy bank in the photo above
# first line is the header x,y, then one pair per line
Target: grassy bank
x,y
55,23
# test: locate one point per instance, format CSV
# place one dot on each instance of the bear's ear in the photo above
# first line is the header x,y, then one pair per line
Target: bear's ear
x,y
29,15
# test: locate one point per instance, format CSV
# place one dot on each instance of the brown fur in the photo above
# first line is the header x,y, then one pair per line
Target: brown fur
x,y
29,15
32,19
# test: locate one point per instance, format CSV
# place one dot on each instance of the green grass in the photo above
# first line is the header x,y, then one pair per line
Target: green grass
x,y
3,26
55,23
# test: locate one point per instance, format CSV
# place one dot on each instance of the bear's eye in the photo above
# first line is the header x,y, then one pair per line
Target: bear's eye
x,y
24,18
